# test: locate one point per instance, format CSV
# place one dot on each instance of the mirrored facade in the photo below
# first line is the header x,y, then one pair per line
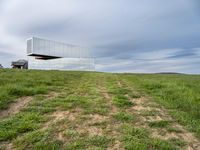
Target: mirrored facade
x,y
51,55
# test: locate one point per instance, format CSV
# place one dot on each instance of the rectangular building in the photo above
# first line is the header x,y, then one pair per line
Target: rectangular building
x,y
51,55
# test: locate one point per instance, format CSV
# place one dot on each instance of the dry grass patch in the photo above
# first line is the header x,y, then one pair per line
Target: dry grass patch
x,y
158,122
15,107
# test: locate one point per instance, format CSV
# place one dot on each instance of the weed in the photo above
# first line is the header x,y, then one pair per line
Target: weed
x,y
39,126
21,123
149,113
122,101
138,138
172,129
177,142
159,124
124,117
71,134
180,93
99,141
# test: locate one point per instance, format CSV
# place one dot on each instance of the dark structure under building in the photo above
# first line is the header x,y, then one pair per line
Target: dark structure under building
x,y
20,64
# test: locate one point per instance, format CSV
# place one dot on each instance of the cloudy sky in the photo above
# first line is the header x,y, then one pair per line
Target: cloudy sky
x,y
124,35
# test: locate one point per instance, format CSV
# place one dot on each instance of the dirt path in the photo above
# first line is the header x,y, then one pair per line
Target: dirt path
x,y
151,114
156,114
117,144
21,103
108,97
15,107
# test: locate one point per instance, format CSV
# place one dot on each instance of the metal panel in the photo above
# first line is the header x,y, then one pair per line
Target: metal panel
x,y
84,64
51,55
58,49
29,46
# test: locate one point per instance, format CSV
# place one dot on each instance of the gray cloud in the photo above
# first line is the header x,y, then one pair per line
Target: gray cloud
x,y
6,58
124,35
4,54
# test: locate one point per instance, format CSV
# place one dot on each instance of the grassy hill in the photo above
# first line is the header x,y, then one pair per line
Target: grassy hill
x,y
90,110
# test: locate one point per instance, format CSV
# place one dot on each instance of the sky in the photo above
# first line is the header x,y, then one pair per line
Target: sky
x,y
138,36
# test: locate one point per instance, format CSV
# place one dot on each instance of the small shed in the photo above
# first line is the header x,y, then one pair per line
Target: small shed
x,y
1,66
20,64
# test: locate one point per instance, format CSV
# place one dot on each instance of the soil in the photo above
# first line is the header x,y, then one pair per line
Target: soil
x,y
15,107
144,104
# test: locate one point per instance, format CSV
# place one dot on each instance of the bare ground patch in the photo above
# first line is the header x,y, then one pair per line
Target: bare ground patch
x,y
111,128
96,118
90,125
60,115
108,97
51,95
21,103
15,107
143,104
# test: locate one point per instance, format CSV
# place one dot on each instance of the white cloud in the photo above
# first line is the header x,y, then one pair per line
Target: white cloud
x,y
144,32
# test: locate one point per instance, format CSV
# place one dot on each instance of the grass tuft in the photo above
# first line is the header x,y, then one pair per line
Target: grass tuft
x,y
159,124
121,101
123,117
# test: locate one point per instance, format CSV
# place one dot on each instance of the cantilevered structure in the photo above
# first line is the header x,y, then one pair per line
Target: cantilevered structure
x,y
51,55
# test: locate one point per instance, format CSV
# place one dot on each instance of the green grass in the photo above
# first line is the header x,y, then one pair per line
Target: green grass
x,y
18,83
123,117
178,93
21,123
37,140
177,142
87,110
97,142
138,138
171,129
122,101
149,113
159,124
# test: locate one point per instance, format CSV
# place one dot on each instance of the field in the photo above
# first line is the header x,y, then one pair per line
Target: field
x,y
91,110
